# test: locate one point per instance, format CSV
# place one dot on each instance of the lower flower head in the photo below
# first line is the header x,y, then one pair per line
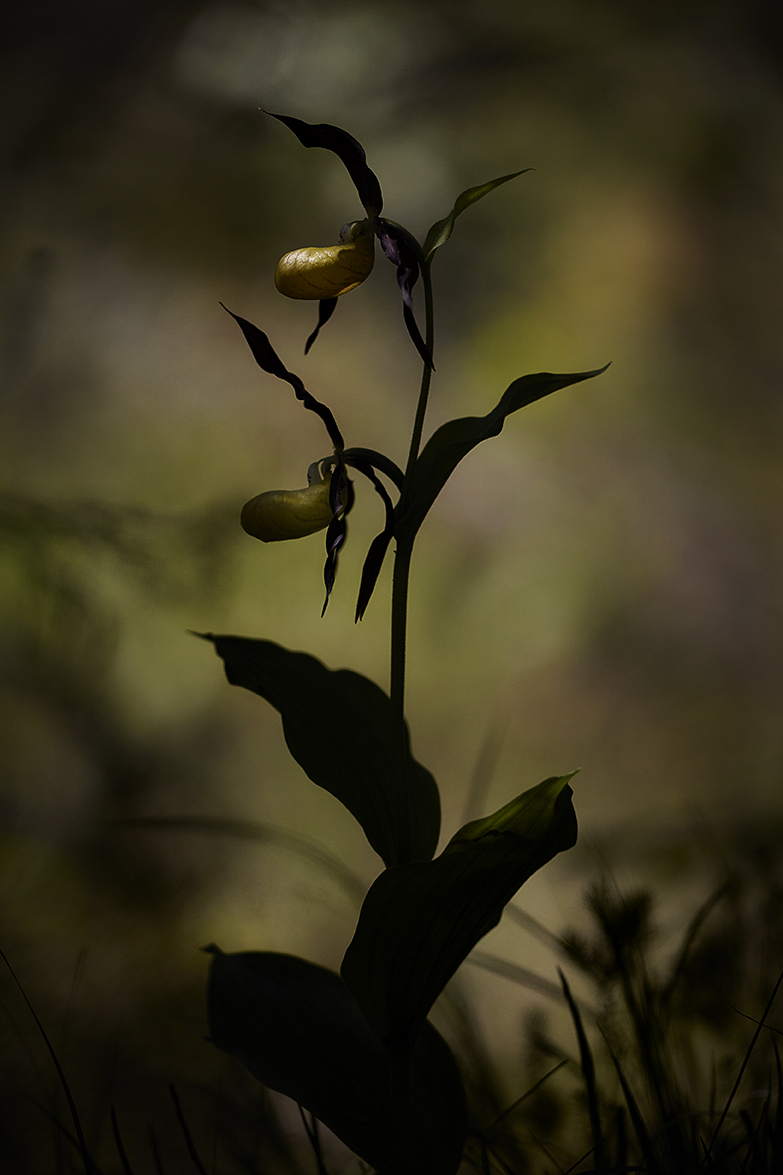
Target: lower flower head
x,y
291,514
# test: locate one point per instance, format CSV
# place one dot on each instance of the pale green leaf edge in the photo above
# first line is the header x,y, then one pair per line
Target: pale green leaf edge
x,y
441,230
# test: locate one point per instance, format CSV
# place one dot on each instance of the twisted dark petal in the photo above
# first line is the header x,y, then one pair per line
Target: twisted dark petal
x,y
326,308
267,358
379,545
348,149
372,569
400,254
337,530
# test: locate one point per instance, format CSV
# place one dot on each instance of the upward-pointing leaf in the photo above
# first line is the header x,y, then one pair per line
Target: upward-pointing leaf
x,y
420,921
442,229
454,440
340,728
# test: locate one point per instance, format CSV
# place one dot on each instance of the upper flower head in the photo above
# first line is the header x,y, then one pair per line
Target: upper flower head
x,y
326,272
329,270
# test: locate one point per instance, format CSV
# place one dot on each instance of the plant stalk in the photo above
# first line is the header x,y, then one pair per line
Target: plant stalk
x,y
402,561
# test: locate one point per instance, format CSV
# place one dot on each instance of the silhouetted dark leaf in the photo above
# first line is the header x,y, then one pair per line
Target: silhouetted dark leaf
x,y
340,729
454,440
419,921
298,1029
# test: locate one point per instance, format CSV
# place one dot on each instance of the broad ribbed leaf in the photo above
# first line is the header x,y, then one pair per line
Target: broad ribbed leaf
x,y
298,1029
454,440
442,229
419,921
340,728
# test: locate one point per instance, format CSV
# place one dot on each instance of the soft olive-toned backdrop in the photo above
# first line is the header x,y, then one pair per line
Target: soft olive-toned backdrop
x,y
600,587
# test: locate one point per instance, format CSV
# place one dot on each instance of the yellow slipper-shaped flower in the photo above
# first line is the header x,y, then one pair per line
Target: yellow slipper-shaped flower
x,y
288,514
317,273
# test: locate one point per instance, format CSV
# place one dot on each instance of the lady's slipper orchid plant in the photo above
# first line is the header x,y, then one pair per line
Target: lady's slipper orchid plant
x,y
325,273
356,1049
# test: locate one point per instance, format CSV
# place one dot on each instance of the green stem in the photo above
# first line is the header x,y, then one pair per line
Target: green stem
x,y
402,561
399,626
421,408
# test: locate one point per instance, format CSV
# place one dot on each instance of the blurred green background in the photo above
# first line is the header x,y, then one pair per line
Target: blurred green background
x,y
599,587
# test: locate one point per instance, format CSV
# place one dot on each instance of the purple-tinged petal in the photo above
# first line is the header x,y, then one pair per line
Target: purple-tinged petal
x,y
400,253
326,308
268,360
348,149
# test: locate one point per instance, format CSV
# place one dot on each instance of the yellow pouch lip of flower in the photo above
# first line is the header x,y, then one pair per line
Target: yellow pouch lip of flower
x,y
277,515
327,271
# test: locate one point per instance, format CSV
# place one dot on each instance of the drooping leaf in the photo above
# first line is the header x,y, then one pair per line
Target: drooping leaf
x,y
348,149
340,728
441,230
268,360
455,439
298,1029
419,921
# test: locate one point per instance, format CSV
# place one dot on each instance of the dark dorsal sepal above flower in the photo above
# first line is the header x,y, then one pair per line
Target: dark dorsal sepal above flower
x,y
268,360
397,247
326,308
348,149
